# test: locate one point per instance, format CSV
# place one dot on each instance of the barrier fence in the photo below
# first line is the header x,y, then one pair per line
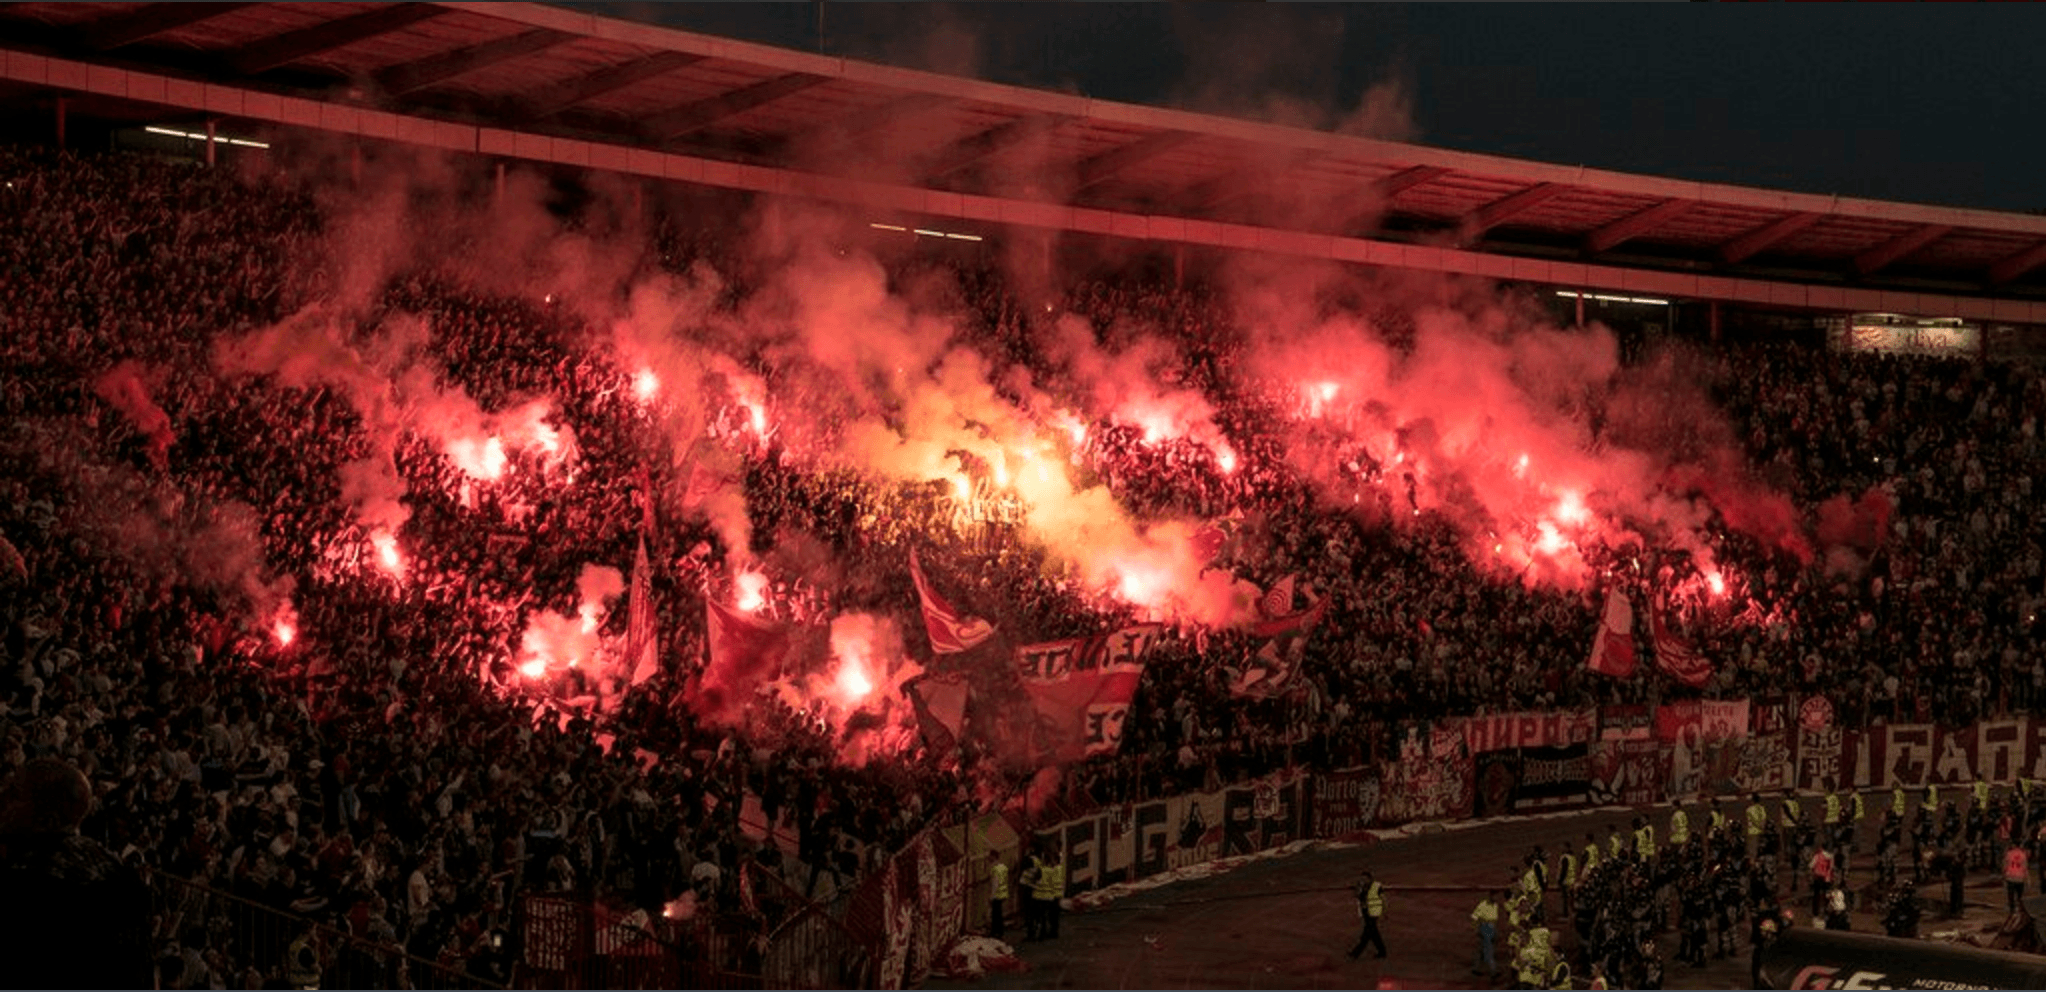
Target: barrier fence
x,y
936,889
249,934
897,925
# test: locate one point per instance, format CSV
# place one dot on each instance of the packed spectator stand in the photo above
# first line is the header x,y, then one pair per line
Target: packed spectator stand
x,y
381,778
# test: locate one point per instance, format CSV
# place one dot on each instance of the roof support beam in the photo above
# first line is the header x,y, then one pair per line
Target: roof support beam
x,y
1634,225
604,82
992,141
1882,256
2013,266
152,19
1506,208
291,46
1104,166
1754,242
402,79
671,124
1366,206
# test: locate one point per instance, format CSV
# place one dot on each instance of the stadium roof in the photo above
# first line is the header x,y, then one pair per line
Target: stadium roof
x,y
536,82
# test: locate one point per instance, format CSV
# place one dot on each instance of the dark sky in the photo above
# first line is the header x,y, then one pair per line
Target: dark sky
x,y
1933,103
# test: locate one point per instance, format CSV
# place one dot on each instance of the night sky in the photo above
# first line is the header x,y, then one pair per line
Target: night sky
x,y
1933,103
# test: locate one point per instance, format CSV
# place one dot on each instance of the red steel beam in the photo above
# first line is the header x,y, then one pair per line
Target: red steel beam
x,y
1748,245
1894,250
1634,225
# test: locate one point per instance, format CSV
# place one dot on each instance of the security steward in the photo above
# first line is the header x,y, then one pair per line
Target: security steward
x,y
998,894
1051,889
1371,908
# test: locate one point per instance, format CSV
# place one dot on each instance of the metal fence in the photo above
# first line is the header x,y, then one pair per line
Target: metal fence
x,y
250,935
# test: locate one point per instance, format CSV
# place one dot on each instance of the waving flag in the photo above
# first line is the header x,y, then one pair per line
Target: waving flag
x,y
940,704
642,636
1612,648
1279,601
950,632
1291,623
1678,660
744,652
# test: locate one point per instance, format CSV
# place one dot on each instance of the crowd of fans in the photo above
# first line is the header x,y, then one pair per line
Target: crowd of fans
x,y
386,773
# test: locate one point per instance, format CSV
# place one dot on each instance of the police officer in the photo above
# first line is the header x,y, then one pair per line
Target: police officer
x,y
1371,909
1679,826
998,894
1486,917
1051,888
1566,872
1033,910
1758,821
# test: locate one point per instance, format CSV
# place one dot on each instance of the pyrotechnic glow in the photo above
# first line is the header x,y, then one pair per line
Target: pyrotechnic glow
x,y
285,631
534,669
1716,583
1001,471
1327,391
1226,459
853,683
479,458
548,438
961,487
752,590
1571,510
1552,540
1520,467
386,545
589,615
645,385
757,416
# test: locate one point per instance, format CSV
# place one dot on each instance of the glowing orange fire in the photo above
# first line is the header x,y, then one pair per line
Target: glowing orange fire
x,y
386,545
752,591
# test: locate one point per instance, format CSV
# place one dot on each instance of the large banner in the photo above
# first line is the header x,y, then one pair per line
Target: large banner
x,y
1553,778
1818,759
1626,773
1629,722
1500,731
1440,789
1345,802
1130,843
1081,688
1764,764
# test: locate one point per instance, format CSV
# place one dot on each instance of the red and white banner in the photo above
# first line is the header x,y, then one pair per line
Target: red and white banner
x,y
1057,660
1499,731
1612,648
1081,688
950,632
1677,659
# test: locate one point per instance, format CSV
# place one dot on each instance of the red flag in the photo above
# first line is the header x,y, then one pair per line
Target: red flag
x,y
1279,601
1084,712
1677,659
642,637
1291,623
950,632
704,483
1612,648
743,653
940,709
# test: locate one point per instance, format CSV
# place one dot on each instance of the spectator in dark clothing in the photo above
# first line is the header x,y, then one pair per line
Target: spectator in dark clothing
x,y
71,914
